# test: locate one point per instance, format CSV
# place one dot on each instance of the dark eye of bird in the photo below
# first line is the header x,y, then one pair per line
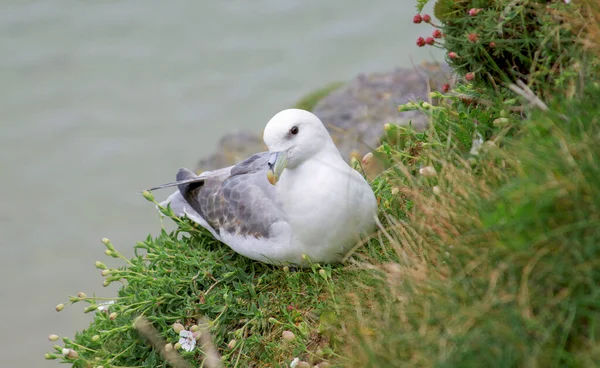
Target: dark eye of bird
x,y
294,130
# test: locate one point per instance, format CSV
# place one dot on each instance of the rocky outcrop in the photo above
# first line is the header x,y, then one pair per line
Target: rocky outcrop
x,y
354,113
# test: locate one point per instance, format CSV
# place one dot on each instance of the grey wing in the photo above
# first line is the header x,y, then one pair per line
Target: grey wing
x,y
254,163
243,203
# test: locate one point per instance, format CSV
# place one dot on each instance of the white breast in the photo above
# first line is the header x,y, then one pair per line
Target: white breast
x,y
327,208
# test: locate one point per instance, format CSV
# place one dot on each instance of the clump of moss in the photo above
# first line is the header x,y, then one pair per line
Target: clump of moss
x,y
309,101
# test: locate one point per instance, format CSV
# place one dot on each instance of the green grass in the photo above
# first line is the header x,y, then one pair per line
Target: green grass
x,y
186,275
500,268
309,101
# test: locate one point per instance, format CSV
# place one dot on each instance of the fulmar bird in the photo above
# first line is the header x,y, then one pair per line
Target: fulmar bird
x,y
300,198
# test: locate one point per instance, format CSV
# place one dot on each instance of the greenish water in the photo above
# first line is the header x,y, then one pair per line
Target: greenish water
x,y
99,100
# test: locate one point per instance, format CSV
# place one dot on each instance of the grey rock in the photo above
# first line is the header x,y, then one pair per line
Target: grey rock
x,y
354,113
233,148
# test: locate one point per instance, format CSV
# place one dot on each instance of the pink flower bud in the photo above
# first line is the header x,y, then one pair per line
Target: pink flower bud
x,y
452,55
473,37
470,76
437,34
417,19
445,87
426,18
474,11
430,41
420,42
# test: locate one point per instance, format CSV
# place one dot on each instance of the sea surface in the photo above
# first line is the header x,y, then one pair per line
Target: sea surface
x,y
101,99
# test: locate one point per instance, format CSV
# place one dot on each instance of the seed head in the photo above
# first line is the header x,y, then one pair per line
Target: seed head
x,y
231,344
53,337
428,171
70,353
146,194
59,307
288,335
90,308
178,327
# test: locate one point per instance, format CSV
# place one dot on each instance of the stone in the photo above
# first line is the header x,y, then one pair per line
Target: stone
x,y
354,113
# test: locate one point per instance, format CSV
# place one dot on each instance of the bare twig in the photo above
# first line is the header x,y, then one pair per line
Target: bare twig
x,y
522,90
213,359
150,333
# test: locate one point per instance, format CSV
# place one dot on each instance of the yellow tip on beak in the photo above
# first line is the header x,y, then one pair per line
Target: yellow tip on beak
x,y
272,177
277,162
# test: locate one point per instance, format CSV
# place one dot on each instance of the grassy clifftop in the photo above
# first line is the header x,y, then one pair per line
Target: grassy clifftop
x,y
488,253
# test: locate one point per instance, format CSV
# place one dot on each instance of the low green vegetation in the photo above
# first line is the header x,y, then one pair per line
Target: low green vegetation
x,y
488,253
309,101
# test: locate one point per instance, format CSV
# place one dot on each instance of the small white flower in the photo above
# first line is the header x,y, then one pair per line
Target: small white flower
x,y
477,142
187,340
104,306
294,363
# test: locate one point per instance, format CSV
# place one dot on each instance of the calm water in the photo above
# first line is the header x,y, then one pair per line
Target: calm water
x,y
100,99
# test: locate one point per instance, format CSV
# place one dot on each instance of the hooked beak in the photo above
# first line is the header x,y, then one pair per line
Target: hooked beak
x,y
277,162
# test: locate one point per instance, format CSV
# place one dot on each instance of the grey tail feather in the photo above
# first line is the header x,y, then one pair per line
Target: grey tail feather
x,y
189,187
184,176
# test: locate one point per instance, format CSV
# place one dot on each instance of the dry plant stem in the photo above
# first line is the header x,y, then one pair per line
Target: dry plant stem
x,y
522,90
213,360
150,333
